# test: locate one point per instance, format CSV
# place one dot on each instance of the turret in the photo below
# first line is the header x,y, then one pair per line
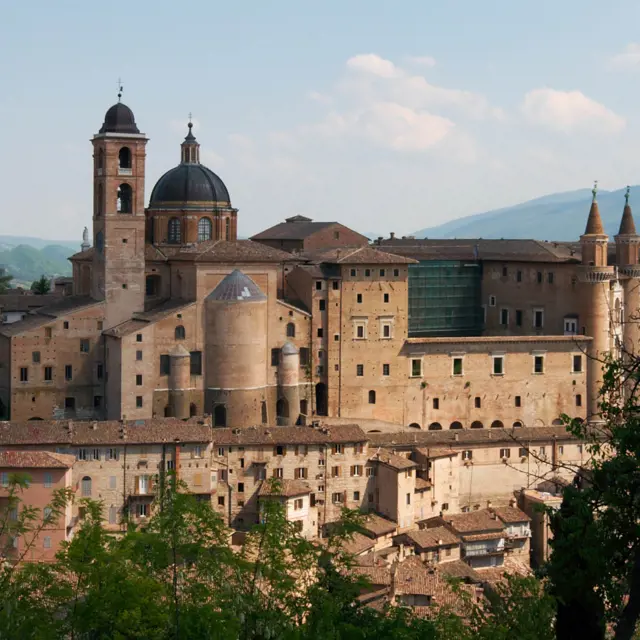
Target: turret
x,y
595,276
627,244
288,405
179,381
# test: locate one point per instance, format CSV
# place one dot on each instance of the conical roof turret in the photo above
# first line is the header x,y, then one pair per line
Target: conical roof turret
x,y
627,224
237,287
594,222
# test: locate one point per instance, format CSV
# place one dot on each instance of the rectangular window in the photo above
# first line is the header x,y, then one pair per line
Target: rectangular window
x,y
550,277
297,504
337,449
457,366
367,272
385,369
318,285
165,365
578,400
498,365
408,498
505,453
139,402
35,357
65,324
84,346
543,452
359,298
68,372
70,403
48,374
195,363
82,454
48,480
386,330
113,482
354,273
523,452
478,402
304,356
138,355
46,542
138,380
100,371
24,374
97,402
538,318
280,450
337,498
505,272
322,305
278,473
386,298
504,317
359,370
577,364
416,368
320,332
518,317
356,470
467,455
570,326
436,403
396,273
336,285
382,273
518,401
113,515
113,454
240,487
275,357
492,301
539,277
221,501
142,510
360,331
538,364
48,332
356,495
138,337
518,276
300,473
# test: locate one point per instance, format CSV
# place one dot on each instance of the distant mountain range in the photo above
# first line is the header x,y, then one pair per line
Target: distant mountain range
x,y
26,259
560,216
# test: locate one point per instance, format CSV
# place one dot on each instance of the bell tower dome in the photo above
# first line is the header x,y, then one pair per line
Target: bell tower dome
x,y
118,214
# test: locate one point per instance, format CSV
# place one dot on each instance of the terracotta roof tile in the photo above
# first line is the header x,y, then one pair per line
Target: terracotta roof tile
x,y
231,252
422,484
284,488
379,526
375,575
294,230
357,255
35,460
142,320
392,460
472,522
83,255
459,569
433,538
289,435
511,514
358,544
627,225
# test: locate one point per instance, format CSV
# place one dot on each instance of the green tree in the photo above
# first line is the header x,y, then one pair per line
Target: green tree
x,y
5,280
41,286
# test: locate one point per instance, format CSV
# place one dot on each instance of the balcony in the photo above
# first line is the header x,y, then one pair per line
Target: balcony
x,y
485,551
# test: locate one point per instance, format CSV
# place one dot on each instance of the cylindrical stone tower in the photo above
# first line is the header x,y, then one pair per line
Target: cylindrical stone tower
x,y
595,276
288,405
236,351
179,381
627,243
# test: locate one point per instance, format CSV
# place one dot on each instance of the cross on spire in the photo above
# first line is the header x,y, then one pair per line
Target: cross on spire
x,y
119,89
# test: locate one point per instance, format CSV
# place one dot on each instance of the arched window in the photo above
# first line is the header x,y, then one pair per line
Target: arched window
x,y
181,334
372,397
477,425
517,423
100,161
291,330
220,416
99,199
497,424
174,230
227,229
435,426
124,158
125,198
414,425
557,422
204,229
86,487
456,425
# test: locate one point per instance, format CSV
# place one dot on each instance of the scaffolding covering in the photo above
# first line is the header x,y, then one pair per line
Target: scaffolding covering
x,y
445,298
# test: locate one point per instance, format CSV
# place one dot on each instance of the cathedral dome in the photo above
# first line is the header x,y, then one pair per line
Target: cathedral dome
x,y
189,185
119,119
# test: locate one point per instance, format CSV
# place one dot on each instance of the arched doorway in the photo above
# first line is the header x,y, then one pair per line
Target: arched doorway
x,y
321,399
497,424
456,425
435,426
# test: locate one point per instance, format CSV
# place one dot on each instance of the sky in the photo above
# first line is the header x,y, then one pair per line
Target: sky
x,y
384,115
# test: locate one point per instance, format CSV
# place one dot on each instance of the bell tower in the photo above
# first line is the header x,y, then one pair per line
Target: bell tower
x,y
118,215
595,276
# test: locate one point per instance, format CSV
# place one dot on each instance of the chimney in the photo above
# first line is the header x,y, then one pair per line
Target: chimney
x,y
392,235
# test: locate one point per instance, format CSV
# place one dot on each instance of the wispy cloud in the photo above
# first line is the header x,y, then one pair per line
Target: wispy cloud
x,y
630,57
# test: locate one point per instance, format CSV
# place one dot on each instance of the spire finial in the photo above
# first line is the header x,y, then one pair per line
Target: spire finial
x,y
119,89
626,196
594,191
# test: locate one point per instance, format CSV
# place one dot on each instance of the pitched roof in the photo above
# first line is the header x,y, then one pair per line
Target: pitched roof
x,y
295,228
284,488
375,575
511,514
594,221
66,432
392,460
466,437
433,538
627,225
459,569
140,321
356,255
237,287
63,306
83,255
413,578
231,251
471,249
422,484
35,460
474,522
25,301
378,526
358,544
289,435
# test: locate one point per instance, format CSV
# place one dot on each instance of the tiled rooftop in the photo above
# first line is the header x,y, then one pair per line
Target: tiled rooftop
x,y
510,515
35,460
284,488
289,435
400,463
480,521
433,538
379,526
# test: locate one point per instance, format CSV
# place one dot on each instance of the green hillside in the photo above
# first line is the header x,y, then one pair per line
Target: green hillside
x,y
26,263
